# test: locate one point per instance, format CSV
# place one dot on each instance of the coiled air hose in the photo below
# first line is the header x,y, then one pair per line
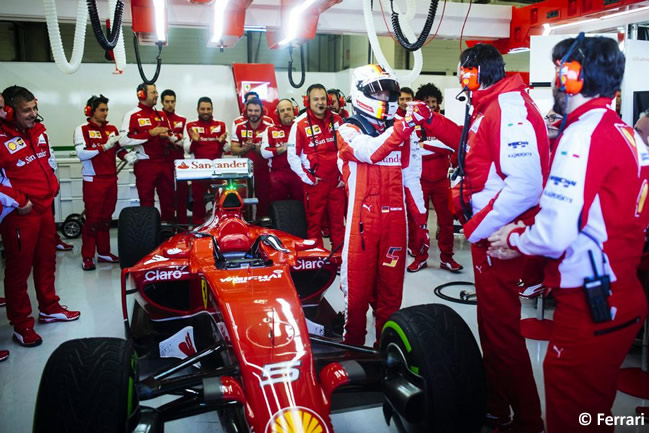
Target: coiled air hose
x,y
425,30
114,33
136,47
49,7
302,69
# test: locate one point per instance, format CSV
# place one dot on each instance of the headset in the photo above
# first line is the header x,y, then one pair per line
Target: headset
x,y
141,91
10,107
305,98
568,78
296,109
339,96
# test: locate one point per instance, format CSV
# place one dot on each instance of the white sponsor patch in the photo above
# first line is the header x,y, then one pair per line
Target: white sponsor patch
x,y
15,144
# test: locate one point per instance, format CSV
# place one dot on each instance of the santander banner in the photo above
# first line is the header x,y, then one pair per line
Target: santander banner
x,y
222,168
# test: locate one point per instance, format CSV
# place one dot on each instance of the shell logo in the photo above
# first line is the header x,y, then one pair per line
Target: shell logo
x,y
296,420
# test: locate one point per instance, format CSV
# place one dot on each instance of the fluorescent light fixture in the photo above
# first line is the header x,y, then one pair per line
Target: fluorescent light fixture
x,y
519,50
548,29
219,9
160,14
294,19
255,29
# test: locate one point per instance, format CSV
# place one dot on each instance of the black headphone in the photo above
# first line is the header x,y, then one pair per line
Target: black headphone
x,y
296,109
305,99
92,104
339,96
10,107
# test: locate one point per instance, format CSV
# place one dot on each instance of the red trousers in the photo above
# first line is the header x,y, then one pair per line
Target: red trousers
x,y
182,191
437,193
285,185
262,189
374,261
583,358
156,177
199,188
322,198
100,197
506,360
30,243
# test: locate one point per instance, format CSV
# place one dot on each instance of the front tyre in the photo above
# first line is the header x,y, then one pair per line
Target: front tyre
x,y
88,385
432,348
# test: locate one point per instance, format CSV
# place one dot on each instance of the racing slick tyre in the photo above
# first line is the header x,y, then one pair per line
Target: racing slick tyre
x,y
138,234
88,385
72,226
289,216
431,347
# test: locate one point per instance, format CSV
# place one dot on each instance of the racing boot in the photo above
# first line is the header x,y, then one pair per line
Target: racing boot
x,y
3,302
416,265
107,258
62,246
88,265
449,264
60,313
27,337
4,354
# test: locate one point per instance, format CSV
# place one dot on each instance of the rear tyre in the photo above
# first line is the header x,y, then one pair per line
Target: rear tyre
x,y
88,385
438,346
289,216
138,234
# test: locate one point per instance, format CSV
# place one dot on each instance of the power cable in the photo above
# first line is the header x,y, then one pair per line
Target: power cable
x,y
302,68
136,47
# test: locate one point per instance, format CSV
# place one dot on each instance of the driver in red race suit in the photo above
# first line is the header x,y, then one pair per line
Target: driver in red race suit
x,y
378,164
505,162
285,184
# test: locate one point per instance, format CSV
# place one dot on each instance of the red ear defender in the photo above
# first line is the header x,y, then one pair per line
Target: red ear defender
x,y
568,78
10,113
296,110
142,95
341,101
330,99
469,77
88,111
305,100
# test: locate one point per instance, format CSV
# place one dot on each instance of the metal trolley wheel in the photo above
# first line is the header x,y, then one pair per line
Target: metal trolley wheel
x,y
466,297
72,225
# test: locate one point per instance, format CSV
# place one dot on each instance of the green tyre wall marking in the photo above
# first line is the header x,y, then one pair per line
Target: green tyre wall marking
x,y
402,335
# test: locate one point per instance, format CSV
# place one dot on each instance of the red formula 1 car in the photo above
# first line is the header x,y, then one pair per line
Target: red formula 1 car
x,y
230,317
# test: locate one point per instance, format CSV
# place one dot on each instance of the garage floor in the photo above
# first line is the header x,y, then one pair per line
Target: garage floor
x,y
97,295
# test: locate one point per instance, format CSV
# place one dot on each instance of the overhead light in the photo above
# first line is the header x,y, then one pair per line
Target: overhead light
x,y
255,28
294,19
548,29
219,9
160,14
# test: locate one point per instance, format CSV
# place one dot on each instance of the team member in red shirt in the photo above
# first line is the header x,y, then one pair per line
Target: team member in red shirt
x,y
285,185
435,189
505,163
177,125
4,354
246,142
207,140
28,186
312,155
243,118
591,224
150,132
96,145
336,103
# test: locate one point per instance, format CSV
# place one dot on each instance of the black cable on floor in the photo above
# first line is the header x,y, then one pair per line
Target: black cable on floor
x,y
438,292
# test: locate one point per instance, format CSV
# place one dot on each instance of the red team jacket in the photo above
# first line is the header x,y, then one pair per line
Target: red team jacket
x,y
274,137
135,131
313,151
26,173
177,124
88,140
242,132
208,145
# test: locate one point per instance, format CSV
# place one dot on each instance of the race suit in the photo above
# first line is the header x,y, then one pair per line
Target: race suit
x,y
29,240
99,185
285,184
594,202
208,146
152,170
506,164
312,155
375,168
